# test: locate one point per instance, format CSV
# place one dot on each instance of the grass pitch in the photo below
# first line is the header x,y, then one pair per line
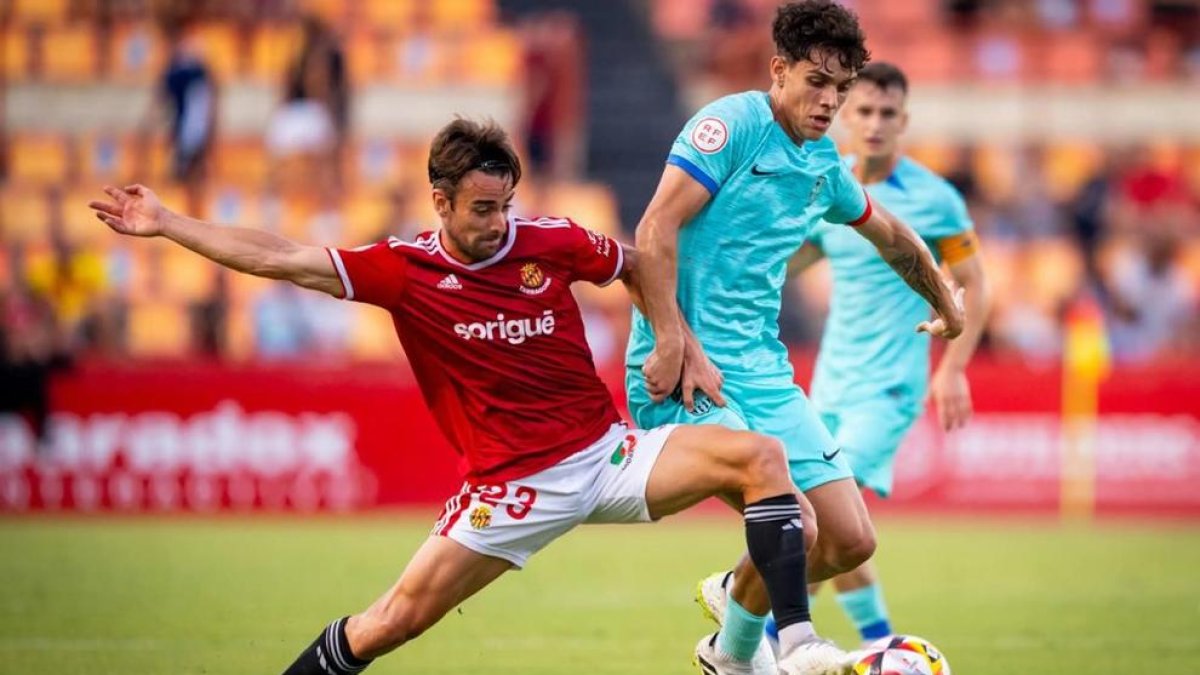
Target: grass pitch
x,y
98,595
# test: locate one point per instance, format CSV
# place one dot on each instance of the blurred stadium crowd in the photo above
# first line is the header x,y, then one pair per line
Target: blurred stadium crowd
x,y
1118,221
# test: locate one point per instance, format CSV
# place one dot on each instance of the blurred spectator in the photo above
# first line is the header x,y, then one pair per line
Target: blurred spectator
x,y
186,98
72,281
29,349
1152,283
293,323
1090,211
398,220
209,318
552,96
313,119
1027,212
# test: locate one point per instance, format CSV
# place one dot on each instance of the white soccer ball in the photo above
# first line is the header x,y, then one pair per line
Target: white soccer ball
x,y
938,665
891,662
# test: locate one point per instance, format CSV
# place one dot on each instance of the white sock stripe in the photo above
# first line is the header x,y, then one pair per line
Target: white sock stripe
x,y
772,511
331,646
752,509
760,517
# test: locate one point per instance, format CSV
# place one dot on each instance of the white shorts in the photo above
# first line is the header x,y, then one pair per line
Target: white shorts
x,y
603,483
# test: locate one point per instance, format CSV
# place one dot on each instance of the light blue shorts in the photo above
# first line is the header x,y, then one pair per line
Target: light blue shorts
x,y
771,406
869,432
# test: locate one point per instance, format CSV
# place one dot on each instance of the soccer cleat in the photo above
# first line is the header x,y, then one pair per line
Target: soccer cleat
x,y
817,657
711,661
713,595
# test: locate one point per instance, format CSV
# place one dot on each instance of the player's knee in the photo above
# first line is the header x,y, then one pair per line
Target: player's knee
x,y
764,464
852,549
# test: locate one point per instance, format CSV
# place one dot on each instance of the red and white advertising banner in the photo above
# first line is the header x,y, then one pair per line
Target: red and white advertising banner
x,y
307,438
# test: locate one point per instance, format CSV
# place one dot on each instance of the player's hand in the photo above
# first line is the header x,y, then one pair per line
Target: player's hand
x,y
951,394
699,373
134,210
948,326
662,370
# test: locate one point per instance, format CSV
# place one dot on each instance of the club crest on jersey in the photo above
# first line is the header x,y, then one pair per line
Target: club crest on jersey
x,y
481,517
533,280
816,189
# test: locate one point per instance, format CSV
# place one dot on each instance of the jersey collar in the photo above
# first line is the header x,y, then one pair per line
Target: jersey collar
x,y
510,239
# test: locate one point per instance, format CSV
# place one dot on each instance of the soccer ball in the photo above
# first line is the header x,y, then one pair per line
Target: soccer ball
x,y
891,662
938,665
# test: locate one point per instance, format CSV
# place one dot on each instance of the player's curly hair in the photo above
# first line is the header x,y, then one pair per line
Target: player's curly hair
x,y
804,26
465,145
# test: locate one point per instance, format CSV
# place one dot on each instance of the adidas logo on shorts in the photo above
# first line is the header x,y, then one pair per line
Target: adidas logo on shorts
x,y
450,283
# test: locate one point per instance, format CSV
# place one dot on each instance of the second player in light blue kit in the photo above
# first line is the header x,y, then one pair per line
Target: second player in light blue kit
x,y
872,375
747,181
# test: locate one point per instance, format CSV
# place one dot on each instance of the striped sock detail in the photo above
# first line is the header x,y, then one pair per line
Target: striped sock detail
x,y
337,646
765,513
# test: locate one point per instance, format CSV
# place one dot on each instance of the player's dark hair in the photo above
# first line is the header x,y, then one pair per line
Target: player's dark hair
x,y
884,75
463,146
802,27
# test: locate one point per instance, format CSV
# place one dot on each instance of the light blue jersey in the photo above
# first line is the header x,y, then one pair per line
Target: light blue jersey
x,y
768,194
870,347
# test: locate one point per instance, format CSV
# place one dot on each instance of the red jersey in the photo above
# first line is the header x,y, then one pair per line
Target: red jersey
x,y
497,346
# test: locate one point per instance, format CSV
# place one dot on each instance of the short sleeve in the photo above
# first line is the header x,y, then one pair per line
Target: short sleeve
x,y
849,203
595,257
374,274
711,144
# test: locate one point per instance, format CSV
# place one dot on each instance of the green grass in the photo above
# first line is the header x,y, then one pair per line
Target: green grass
x,y
244,596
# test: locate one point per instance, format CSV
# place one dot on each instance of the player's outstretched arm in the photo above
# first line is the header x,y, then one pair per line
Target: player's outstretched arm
x,y
698,371
907,254
136,211
948,387
677,200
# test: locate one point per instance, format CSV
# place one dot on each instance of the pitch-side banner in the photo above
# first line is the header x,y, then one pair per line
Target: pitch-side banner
x,y
304,438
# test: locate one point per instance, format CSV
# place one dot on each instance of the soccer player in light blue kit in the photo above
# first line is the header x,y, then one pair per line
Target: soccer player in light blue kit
x,y
746,182
872,373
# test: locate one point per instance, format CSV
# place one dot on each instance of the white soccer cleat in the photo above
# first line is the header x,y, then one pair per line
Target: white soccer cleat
x,y
711,661
713,595
817,657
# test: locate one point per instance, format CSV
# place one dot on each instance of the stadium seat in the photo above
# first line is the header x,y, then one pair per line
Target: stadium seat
x,y
681,19
332,12
272,49
69,53
375,161
80,226
159,329
187,277
241,161
234,204
372,336
416,59
1053,269
364,214
16,54
136,53
38,158
462,15
932,56
364,58
40,11
907,15
591,205
221,47
1070,58
393,16
24,214
492,58
1067,166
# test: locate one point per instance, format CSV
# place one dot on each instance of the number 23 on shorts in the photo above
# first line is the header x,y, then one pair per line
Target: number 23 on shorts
x,y
523,497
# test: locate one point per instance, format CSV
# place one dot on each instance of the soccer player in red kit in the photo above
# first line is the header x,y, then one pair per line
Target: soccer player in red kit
x,y
484,310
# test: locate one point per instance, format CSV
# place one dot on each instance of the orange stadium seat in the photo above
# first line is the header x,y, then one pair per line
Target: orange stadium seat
x,y
375,161
906,15
681,19
69,53
591,205
24,214
40,11
492,58
1067,166
241,161
463,15
372,335
938,157
932,56
1071,58
235,204
38,158
16,54
187,277
272,50
364,214
239,329
1053,269
394,16
159,329
79,224
332,12
222,49
417,59
136,53
365,59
